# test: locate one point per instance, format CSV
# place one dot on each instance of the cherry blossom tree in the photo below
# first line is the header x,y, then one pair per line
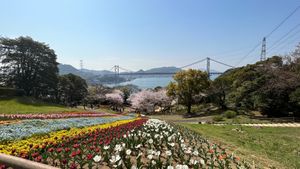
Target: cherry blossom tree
x,y
115,99
149,101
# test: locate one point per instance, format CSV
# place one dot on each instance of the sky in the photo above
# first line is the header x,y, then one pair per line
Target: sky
x,y
142,34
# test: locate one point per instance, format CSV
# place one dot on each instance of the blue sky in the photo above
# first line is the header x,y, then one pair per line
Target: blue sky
x,y
141,34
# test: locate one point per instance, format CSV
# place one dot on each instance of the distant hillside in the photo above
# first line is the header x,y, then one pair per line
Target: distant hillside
x,y
103,77
66,69
163,70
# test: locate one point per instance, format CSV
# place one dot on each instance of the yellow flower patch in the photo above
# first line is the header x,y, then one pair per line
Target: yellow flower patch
x,y
23,146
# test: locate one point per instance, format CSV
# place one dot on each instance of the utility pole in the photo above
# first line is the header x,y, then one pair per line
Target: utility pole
x,y
81,64
117,72
208,67
263,50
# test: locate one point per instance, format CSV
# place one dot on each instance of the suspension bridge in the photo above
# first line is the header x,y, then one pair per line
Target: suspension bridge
x,y
120,71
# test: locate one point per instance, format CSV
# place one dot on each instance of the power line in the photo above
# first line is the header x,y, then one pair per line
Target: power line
x,y
244,57
297,39
282,22
269,34
285,39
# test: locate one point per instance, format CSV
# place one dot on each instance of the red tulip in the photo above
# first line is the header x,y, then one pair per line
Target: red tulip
x,y
89,156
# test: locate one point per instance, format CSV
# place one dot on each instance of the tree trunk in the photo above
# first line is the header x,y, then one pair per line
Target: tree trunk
x,y
189,106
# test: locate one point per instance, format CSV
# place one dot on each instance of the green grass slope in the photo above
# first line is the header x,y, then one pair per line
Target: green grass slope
x,y
25,105
268,146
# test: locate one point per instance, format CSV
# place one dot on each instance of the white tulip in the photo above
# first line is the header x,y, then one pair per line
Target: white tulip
x,y
138,146
97,158
172,144
168,153
196,153
170,167
128,152
118,147
150,156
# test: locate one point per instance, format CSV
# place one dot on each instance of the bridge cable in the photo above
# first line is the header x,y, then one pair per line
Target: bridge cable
x,y
199,61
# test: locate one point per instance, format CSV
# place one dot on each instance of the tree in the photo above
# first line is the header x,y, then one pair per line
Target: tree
x,y
115,99
28,65
127,91
188,85
265,86
72,89
147,101
96,95
219,90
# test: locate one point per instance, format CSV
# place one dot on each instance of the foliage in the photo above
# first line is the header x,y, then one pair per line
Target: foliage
x,y
189,87
218,118
115,99
72,89
127,91
9,92
265,86
29,65
218,91
96,95
230,114
148,100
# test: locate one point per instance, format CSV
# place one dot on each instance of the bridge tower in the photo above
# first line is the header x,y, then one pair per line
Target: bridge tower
x,y
263,50
208,66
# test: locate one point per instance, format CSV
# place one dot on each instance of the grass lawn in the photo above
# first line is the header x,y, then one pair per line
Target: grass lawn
x,y
242,119
267,146
208,118
29,105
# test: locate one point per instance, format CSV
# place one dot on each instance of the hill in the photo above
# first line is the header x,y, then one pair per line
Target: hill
x,y
25,105
161,70
104,76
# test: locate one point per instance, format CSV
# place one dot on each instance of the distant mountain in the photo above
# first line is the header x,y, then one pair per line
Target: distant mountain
x,y
65,69
103,76
97,72
171,69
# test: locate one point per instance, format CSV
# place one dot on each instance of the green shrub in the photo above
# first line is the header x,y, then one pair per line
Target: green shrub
x,y
218,118
11,92
230,114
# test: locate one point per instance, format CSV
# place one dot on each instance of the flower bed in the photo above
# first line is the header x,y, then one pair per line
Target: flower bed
x,y
137,144
23,146
27,128
54,115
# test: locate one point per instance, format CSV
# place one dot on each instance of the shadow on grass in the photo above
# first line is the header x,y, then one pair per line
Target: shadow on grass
x,y
29,101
